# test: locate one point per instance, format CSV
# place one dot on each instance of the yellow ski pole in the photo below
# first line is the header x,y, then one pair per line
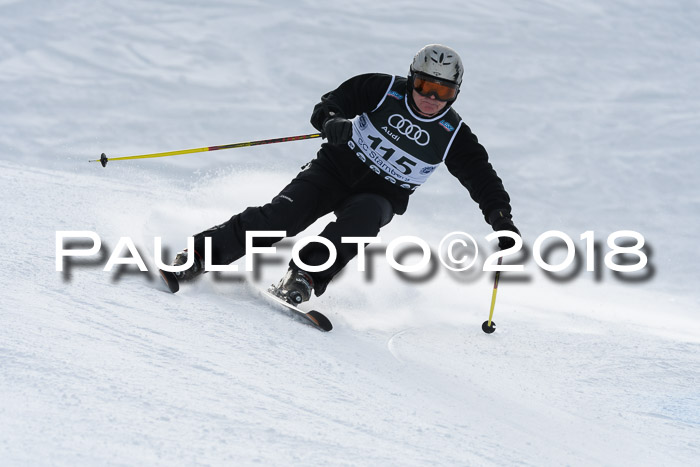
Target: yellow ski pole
x,y
104,159
489,326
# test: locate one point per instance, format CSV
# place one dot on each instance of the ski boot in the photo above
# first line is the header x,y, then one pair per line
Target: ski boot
x,y
172,279
295,287
190,273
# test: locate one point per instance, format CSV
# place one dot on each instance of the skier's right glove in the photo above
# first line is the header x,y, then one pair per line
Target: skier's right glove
x,y
337,130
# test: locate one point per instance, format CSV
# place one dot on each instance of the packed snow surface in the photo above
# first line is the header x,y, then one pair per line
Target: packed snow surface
x,y
589,110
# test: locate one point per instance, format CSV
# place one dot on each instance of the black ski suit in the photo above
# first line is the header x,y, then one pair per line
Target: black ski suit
x,y
364,184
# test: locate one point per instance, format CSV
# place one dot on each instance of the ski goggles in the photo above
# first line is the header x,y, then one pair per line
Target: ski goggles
x,y
427,86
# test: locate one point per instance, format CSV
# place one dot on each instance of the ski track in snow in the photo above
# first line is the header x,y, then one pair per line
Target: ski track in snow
x,y
590,112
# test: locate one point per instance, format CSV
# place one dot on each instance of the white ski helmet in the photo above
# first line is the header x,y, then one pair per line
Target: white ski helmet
x,y
439,61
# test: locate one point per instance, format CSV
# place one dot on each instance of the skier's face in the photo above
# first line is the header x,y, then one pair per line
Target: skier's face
x,y
428,106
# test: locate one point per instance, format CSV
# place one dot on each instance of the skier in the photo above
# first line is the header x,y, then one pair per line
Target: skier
x,y
385,136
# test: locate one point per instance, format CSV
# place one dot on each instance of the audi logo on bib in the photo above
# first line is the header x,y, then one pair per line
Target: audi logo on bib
x,y
409,130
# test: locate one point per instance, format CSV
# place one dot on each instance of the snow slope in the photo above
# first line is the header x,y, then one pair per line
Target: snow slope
x,y
588,110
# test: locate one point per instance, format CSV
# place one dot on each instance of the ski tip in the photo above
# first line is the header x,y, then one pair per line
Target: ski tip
x,y
313,317
320,320
170,280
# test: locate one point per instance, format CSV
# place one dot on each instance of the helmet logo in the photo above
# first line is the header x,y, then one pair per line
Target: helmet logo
x,y
409,130
441,59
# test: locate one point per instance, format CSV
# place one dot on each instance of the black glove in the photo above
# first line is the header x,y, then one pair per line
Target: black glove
x,y
502,220
337,130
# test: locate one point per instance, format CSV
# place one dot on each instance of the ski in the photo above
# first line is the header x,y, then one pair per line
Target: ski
x,y
170,280
313,317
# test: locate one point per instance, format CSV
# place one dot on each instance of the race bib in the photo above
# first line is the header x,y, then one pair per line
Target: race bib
x,y
375,147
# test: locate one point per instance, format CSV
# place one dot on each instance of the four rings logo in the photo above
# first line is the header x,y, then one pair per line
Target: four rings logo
x,y
408,129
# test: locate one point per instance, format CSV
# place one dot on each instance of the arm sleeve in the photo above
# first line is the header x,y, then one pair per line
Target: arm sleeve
x,y
468,161
359,94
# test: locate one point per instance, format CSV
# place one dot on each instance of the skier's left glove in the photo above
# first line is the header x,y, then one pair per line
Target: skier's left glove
x,y
337,130
502,220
